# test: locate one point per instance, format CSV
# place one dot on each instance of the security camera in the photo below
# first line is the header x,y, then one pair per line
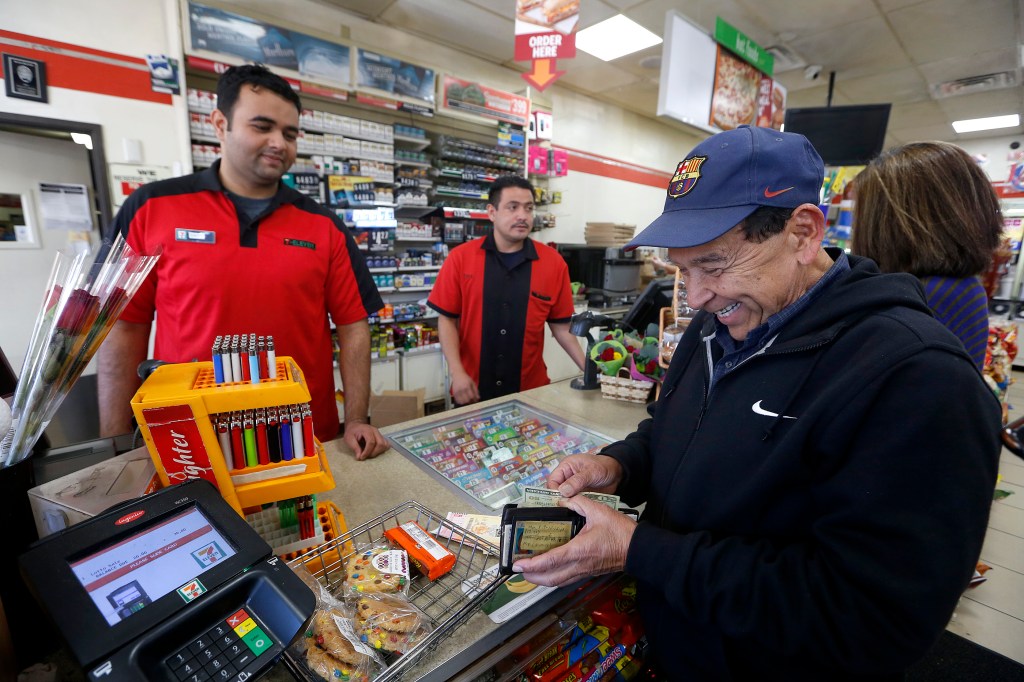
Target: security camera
x,y
812,72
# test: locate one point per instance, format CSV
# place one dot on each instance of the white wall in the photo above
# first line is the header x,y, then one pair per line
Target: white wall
x,y
28,160
127,27
998,151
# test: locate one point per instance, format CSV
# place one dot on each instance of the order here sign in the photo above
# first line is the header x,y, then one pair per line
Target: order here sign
x,y
548,45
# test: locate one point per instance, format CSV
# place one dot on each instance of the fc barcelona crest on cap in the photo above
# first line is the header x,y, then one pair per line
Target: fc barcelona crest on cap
x,y
686,176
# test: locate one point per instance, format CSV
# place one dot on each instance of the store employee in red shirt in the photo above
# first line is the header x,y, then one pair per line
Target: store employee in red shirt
x,y
244,253
494,296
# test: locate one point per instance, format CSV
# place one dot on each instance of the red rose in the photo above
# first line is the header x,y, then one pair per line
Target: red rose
x,y
651,366
607,337
608,355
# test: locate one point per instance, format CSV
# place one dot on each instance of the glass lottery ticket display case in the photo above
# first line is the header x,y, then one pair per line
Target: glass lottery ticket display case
x,y
491,453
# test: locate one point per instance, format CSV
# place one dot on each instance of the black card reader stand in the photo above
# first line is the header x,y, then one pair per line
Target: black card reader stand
x,y
173,586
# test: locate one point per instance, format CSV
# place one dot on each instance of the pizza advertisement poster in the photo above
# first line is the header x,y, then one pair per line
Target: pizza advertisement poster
x,y
735,93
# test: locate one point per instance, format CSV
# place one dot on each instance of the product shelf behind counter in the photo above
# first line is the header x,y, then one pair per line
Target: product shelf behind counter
x,y
370,489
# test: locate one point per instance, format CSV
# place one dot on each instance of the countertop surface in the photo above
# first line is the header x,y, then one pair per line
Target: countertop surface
x,y
365,490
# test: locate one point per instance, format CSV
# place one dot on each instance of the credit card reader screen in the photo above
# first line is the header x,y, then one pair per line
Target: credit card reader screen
x,y
172,586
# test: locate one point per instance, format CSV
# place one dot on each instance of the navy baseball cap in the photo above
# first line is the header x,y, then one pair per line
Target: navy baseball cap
x,y
726,178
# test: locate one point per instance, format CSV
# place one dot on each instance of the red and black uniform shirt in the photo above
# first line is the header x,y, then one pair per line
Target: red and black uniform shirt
x,y
279,274
502,311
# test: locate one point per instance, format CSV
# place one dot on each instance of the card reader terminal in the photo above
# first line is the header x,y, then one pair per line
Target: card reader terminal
x,y
172,586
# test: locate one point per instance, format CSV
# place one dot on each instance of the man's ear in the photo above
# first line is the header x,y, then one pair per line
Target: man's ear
x,y
220,124
806,227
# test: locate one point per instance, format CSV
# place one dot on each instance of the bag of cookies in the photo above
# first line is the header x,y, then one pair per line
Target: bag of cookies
x,y
334,650
376,569
331,647
390,623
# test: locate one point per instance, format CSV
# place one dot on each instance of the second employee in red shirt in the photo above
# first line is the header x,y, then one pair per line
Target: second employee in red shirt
x,y
494,296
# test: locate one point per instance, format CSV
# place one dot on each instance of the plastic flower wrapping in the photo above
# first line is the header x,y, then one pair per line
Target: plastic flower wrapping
x,y
84,297
638,354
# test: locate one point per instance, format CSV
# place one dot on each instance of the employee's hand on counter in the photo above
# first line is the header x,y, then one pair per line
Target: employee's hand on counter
x,y
464,389
578,473
599,548
365,440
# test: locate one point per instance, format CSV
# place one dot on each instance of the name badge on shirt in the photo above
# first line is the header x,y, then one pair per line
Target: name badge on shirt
x,y
183,234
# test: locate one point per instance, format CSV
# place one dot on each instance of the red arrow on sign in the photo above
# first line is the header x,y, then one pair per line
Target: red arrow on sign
x,y
544,73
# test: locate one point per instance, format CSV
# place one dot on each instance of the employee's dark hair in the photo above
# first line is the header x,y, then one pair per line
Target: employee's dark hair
x,y
494,196
259,77
926,208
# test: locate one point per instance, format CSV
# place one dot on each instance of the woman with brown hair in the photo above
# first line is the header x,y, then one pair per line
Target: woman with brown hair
x,y
926,208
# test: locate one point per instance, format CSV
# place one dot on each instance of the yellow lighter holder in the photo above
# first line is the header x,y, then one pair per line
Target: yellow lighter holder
x,y
173,408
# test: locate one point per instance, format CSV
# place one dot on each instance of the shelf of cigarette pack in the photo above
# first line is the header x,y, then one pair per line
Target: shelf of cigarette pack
x,y
369,204
430,288
472,176
416,143
344,133
192,109
204,138
419,268
386,290
372,225
414,164
417,239
462,194
383,269
472,214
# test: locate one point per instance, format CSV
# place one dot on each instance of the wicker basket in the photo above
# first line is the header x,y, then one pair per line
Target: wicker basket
x,y
621,387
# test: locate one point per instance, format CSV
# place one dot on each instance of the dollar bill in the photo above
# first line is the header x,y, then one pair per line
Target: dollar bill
x,y
609,500
542,497
539,497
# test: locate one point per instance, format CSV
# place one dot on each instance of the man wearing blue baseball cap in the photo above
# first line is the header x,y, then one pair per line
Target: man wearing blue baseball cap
x,y
819,467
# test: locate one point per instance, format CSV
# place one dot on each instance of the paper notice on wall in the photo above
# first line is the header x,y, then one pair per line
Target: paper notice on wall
x,y
65,206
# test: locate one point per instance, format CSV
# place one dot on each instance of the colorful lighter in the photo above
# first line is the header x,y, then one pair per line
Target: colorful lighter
x,y
236,361
298,447
262,449
271,358
249,434
218,366
273,434
224,438
307,431
286,434
237,449
243,357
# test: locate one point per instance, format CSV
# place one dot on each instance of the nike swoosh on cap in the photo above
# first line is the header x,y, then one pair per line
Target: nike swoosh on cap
x,y
756,407
768,194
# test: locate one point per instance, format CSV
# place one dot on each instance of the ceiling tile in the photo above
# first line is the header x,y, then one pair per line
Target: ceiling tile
x,y
600,77
941,29
992,103
917,114
800,16
856,49
470,29
979,64
903,85
941,131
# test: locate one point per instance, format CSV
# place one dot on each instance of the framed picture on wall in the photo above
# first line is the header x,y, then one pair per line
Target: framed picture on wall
x,y
25,78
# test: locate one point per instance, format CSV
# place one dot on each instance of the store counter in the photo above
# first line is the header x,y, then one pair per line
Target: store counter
x,y
365,490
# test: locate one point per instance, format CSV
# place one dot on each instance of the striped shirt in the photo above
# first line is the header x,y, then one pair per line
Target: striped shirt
x,y
962,306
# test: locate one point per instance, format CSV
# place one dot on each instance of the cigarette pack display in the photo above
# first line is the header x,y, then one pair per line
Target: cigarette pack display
x,y
179,409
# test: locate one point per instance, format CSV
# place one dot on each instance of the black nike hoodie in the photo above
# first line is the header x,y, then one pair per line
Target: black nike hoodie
x,y
817,516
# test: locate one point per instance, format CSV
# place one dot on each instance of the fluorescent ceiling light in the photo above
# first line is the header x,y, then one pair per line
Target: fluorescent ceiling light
x,y
970,125
614,38
82,139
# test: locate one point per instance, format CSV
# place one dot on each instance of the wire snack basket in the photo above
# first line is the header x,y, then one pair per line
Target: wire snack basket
x,y
447,601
